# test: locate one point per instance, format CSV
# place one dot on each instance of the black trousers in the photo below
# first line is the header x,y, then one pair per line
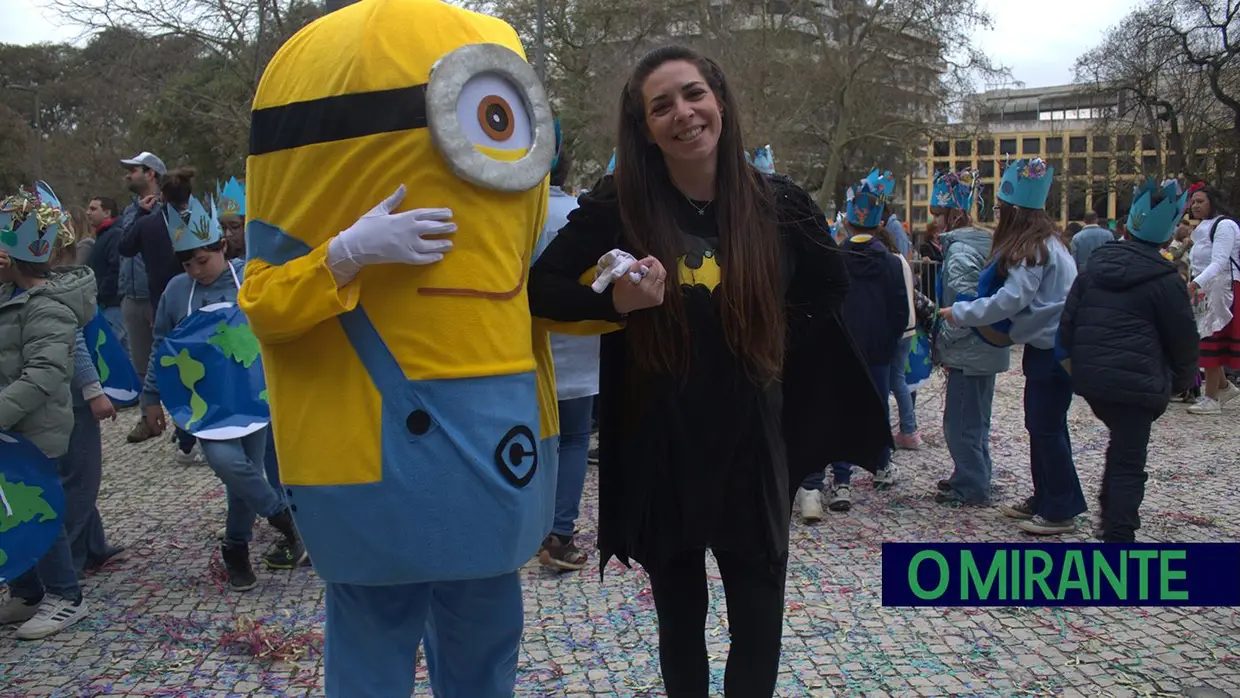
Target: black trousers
x,y
755,600
1123,480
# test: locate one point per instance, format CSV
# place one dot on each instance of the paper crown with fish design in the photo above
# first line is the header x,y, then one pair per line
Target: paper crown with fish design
x,y
867,198
955,190
30,222
202,227
611,165
763,159
230,200
1156,210
1026,182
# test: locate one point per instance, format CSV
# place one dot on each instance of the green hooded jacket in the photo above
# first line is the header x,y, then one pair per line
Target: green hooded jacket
x,y
37,340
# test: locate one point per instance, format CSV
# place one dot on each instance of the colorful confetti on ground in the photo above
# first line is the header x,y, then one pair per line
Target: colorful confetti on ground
x,y
162,624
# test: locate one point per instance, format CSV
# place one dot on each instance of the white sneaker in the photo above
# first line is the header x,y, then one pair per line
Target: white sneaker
x,y
886,478
1206,405
54,614
194,457
810,503
17,611
1227,395
841,498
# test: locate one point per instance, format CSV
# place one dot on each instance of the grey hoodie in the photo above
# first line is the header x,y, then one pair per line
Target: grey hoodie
x,y
38,336
965,251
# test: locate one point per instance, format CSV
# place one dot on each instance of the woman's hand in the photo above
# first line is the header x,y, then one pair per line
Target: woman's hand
x,y
155,418
946,314
102,408
646,293
1193,288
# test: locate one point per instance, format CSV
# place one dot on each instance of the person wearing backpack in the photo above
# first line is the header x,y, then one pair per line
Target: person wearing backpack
x,y
1129,336
1215,258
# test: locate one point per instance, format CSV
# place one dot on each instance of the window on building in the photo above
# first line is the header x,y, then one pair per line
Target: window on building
x,y
1054,200
1077,166
1149,141
1126,165
986,168
941,166
1030,146
921,193
1076,201
1102,144
964,147
1054,145
1007,146
986,147
921,170
961,164
1077,144
1056,164
942,149
1100,166
1125,144
1123,202
1150,165
986,202
1175,162
1101,204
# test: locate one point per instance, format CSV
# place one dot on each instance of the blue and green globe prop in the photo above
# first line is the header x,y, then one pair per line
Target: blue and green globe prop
x,y
32,505
121,382
209,371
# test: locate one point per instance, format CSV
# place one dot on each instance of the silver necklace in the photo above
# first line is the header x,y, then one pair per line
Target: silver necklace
x,y
701,210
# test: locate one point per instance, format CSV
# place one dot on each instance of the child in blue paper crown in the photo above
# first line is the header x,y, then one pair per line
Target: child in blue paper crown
x,y
41,311
877,311
1021,296
209,278
1130,338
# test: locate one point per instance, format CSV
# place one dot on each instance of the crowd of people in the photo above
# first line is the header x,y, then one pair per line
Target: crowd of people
x,y
743,312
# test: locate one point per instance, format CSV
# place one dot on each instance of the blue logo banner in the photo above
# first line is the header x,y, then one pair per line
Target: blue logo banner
x,y
32,505
210,375
121,382
1061,574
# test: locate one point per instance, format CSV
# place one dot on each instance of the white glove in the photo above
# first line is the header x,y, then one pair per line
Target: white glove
x,y
614,265
383,237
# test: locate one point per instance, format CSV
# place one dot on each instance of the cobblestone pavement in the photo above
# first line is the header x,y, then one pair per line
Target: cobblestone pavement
x,y
163,625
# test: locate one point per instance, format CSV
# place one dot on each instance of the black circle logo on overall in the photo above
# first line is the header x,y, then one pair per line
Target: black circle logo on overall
x,y
517,451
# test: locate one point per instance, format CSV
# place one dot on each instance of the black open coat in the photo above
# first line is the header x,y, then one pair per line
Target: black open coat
x,y
713,460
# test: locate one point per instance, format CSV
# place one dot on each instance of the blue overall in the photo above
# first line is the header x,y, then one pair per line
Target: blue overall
x,y
466,496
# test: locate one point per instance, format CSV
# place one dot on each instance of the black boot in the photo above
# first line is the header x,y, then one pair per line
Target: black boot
x,y
288,552
237,564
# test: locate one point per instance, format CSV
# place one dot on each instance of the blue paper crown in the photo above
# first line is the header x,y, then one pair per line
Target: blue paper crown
x,y
1026,183
867,198
559,143
30,222
230,201
611,166
955,190
202,228
763,159
1155,220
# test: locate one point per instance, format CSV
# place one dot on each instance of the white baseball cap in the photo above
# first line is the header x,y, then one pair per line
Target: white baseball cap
x,y
147,160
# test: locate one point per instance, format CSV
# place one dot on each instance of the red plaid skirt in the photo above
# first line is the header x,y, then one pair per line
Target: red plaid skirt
x,y
1222,349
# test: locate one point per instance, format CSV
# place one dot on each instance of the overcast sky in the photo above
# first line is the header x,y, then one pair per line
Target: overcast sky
x,y
1038,40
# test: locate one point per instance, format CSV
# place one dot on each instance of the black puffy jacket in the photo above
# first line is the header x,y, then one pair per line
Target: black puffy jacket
x,y
876,307
105,261
1129,329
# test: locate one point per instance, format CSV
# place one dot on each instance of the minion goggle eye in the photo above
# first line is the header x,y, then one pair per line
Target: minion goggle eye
x,y
480,98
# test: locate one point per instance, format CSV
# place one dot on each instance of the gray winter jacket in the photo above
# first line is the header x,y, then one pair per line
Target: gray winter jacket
x,y
965,251
38,337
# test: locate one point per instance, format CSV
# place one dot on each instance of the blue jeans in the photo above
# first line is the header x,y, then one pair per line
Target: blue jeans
x,y
966,428
238,463
116,322
1057,492
841,473
81,472
575,418
53,574
899,388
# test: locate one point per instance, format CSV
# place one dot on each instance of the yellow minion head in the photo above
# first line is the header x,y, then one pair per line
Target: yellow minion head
x,y
439,99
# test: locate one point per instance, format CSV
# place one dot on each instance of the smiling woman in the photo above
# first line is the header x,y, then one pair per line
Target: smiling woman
x,y
711,395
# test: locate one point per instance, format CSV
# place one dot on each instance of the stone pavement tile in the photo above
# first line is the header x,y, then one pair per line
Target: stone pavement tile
x,y
162,617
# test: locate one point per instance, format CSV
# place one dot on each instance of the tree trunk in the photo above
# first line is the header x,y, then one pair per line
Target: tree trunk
x,y
835,163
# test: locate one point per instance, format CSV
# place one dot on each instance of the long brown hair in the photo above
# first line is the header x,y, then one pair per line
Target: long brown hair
x,y
177,185
1022,236
953,218
752,306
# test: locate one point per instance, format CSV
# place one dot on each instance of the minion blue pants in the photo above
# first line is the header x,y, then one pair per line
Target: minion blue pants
x,y
472,630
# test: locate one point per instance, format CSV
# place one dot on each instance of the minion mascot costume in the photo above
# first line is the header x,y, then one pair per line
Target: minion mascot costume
x,y
416,401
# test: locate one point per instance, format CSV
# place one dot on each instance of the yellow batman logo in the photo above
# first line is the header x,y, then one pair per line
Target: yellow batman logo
x,y
700,269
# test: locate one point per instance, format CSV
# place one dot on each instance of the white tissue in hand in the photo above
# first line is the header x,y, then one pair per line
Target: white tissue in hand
x,y
612,266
